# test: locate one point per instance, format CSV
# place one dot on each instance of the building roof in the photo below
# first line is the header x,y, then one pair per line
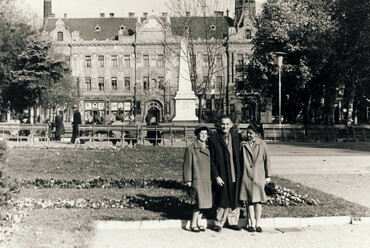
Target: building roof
x,y
109,26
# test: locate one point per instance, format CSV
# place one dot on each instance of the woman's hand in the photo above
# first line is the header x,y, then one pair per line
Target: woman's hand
x,y
219,181
188,184
267,180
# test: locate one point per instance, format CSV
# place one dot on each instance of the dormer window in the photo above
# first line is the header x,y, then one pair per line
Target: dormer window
x,y
123,28
213,27
248,34
97,28
60,36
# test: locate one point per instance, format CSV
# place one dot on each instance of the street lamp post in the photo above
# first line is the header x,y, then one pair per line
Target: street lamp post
x,y
280,63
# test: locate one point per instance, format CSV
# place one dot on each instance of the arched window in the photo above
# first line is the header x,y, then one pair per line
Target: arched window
x,y
60,36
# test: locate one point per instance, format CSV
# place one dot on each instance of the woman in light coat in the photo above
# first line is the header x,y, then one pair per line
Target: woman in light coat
x,y
256,174
197,175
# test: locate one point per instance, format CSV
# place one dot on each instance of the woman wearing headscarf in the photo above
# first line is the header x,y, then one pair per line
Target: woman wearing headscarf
x,y
197,175
256,165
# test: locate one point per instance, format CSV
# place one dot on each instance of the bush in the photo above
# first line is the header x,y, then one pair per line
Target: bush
x,y
5,187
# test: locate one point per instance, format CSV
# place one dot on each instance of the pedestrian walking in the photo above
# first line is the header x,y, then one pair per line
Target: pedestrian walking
x,y
224,150
76,122
197,176
256,166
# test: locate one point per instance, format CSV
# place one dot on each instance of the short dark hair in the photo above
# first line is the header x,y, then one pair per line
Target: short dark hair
x,y
226,117
198,129
253,126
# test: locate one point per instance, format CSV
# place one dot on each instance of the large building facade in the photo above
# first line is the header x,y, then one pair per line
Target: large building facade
x,y
128,66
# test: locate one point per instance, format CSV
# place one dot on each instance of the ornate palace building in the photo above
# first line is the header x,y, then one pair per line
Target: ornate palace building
x,y
129,65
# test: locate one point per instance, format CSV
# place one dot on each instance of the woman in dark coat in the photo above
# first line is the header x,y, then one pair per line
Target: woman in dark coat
x,y
256,174
197,175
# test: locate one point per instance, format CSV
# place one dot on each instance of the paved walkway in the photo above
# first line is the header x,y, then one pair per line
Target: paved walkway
x,y
346,236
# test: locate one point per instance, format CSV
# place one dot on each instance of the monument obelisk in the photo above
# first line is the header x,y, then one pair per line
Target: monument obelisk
x,y
185,98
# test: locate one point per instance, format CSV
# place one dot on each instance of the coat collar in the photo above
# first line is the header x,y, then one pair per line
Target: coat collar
x,y
254,151
197,145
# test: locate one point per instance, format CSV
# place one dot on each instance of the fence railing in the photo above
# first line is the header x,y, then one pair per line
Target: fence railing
x,y
168,134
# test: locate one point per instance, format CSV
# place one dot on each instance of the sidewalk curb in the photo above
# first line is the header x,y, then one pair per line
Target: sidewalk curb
x,y
268,223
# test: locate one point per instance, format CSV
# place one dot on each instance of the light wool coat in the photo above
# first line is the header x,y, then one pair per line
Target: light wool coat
x,y
197,169
256,168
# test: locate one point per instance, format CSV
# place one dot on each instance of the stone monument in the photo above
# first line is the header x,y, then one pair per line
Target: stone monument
x,y
185,98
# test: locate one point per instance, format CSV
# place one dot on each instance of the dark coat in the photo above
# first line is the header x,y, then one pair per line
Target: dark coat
x,y
256,168
197,169
59,126
226,196
77,118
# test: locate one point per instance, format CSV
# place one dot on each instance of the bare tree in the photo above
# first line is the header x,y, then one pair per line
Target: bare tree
x,y
206,36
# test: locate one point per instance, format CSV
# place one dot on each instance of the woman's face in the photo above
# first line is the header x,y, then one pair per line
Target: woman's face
x,y
251,135
203,135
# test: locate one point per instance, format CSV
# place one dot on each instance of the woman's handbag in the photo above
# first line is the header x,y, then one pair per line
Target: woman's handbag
x,y
190,196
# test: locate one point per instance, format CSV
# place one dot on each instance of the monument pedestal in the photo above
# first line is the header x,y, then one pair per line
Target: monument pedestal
x,y
185,108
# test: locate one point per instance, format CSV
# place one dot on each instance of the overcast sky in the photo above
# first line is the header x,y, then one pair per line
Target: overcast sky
x,y
92,8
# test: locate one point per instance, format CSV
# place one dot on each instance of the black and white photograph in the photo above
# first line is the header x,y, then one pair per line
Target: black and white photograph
x,y
184,123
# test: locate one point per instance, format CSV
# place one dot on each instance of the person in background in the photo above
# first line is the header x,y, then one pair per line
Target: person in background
x,y
76,122
154,136
197,175
59,126
256,166
224,150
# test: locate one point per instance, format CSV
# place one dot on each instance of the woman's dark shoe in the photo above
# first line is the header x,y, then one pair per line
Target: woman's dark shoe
x,y
202,228
251,229
217,228
258,229
194,229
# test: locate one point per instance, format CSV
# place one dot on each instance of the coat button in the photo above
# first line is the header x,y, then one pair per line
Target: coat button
x,y
251,166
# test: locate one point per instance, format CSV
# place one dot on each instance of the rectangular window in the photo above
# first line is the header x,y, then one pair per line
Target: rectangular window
x,y
146,60
193,59
114,83
146,83
219,82
127,84
88,83
60,36
205,80
101,61
219,60
161,83
248,34
101,83
240,58
127,60
114,61
205,60
160,60
88,61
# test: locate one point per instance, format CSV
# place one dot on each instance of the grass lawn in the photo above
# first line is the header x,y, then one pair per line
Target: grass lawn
x,y
63,227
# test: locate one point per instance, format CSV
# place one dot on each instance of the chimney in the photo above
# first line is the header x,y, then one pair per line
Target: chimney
x,y
102,15
47,8
219,13
111,14
65,15
187,13
145,14
164,14
131,14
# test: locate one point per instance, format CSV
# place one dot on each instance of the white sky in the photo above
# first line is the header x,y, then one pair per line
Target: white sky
x,y
92,8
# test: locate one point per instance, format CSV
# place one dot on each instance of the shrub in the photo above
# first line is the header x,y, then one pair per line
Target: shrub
x,y
6,188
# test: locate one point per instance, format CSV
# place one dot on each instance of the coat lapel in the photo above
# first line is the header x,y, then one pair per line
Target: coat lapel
x,y
198,146
256,149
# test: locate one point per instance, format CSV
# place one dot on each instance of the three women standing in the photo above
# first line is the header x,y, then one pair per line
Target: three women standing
x,y
197,175
256,174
